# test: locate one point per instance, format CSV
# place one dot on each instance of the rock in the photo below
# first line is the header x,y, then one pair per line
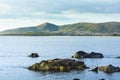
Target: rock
x,y
76,79
102,79
82,54
109,69
95,55
33,55
118,57
95,69
58,65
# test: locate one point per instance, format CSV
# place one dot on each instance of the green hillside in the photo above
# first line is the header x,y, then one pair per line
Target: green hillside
x,y
87,29
36,30
91,28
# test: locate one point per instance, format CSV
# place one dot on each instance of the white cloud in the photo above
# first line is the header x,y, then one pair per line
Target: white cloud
x,y
71,17
15,23
4,8
20,13
90,17
24,22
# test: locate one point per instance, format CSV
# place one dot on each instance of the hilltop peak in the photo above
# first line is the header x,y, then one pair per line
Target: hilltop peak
x,y
47,23
47,26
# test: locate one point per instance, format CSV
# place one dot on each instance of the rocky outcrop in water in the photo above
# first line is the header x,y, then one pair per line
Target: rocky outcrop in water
x,y
101,79
76,79
58,65
118,57
33,55
107,69
82,54
95,69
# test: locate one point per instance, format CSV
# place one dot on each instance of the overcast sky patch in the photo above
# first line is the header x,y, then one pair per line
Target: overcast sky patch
x,y
56,11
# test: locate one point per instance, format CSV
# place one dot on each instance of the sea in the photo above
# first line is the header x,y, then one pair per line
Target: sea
x,y
14,60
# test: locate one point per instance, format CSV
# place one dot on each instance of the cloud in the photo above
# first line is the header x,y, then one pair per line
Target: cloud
x,y
17,13
28,8
90,17
4,8
67,17
57,6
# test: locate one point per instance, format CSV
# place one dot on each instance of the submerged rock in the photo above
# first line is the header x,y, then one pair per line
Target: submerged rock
x,y
33,55
107,69
82,54
102,79
118,57
76,79
58,65
95,69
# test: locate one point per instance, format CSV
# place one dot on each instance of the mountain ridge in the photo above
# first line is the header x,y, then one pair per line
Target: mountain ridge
x,y
76,29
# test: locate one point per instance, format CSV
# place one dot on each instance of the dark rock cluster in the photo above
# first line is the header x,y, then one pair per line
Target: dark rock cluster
x,y
33,55
63,65
76,79
118,57
82,54
58,65
107,69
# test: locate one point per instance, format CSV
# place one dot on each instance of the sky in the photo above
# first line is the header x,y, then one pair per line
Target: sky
x,y
24,13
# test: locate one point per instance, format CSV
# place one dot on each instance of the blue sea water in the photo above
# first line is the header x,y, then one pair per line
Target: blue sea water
x,y
15,49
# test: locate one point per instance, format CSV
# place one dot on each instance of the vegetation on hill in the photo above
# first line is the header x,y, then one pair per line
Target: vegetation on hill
x,y
77,29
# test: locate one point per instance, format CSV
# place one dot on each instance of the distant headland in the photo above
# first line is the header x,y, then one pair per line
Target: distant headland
x,y
76,29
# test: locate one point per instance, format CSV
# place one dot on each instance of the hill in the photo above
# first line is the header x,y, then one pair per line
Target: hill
x,y
77,29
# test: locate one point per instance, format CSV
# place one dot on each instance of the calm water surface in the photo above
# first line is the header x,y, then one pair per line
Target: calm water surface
x,y
14,51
